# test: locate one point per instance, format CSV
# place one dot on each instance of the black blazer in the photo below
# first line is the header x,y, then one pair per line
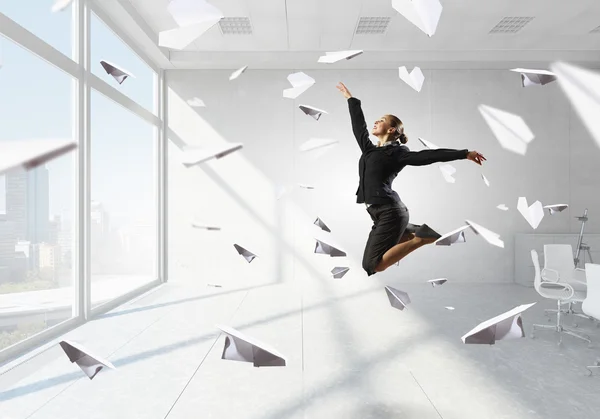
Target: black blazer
x,y
379,166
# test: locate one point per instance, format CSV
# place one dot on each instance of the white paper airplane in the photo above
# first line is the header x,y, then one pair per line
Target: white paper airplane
x,y
240,347
488,235
196,102
332,57
304,186
533,214
424,14
510,130
438,281
455,236
531,77
204,226
312,111
322,225
300,82
338,272
556,208
248,255
487,182
29,154
196,155
447,171
414,79
280,190
398,299
582,87
428,144
315,143
502,207
118,73
237,73
326,249
318,146
60,5
449,308
89,364
506,326
194,18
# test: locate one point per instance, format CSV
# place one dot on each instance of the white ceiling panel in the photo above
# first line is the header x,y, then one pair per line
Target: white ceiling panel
x,y
329,25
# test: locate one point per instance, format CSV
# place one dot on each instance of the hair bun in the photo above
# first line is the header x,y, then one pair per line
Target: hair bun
x,y
403,138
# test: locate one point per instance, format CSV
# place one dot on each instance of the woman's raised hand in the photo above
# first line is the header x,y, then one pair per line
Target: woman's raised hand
x,y
342,88
476,157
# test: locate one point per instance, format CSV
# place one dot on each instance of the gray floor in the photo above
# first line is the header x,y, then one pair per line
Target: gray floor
x,y
350,355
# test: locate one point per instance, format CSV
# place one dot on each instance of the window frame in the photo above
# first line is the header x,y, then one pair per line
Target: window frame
x,y
79,67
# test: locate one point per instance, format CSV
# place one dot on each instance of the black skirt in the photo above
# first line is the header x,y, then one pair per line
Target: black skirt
x,y
389,224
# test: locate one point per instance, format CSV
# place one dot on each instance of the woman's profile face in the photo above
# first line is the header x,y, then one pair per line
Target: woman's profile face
x,y
381,126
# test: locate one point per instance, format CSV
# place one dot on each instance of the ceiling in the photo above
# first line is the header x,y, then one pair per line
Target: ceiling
x,y
290,32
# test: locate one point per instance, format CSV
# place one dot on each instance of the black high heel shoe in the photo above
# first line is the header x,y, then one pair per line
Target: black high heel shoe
x,y
426,232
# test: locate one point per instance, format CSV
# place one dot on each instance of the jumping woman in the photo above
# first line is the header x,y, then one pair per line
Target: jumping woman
x,y
391,237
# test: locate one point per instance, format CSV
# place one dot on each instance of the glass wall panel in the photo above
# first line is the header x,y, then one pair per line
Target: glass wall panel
x,y
37,207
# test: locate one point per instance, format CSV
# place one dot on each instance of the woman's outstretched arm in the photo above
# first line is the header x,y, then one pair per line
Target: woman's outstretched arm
x,y
359,126
425,157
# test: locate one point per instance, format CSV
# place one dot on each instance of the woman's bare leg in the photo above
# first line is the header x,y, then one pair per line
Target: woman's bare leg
x,y
401,250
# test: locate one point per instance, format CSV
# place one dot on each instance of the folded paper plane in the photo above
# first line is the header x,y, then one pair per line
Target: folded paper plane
x,y
502,207
556,208
196,102
455,236
424,14
398,299
322,144
485,180
196,155
237,73
326,249
239,347
447,171
414,79
510,130
60,5
332,57
338,272
300,82
582,87
203,226
304,186
533,213
531,77
438,281
488,235
89,364
29,154
118,73
311,111
193,17
449,308
506,326
322,225
428,144
248,255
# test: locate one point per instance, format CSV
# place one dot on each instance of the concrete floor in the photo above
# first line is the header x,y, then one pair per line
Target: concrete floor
x,y
349,355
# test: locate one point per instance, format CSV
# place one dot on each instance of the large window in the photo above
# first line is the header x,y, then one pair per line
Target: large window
x,y
37,207
36,16
123,211
108,47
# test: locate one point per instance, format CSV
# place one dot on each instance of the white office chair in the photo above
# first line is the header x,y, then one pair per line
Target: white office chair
x,y
559,266
563,293
591,305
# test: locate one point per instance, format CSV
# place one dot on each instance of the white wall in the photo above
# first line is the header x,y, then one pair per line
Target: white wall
x,y
237,192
